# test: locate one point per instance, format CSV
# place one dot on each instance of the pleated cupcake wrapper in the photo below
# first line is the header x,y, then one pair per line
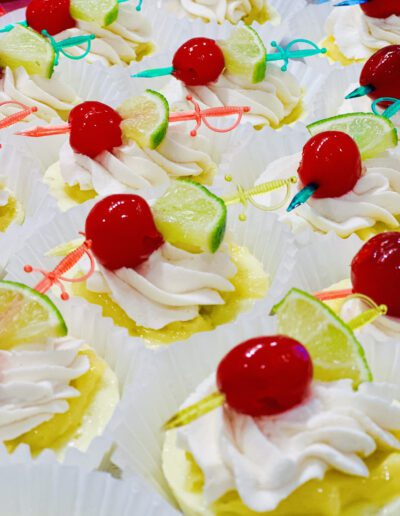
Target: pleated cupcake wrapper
x,y
281,8
52,489
20,174
123,354
171,35
310,22
325,261
268,240
164,383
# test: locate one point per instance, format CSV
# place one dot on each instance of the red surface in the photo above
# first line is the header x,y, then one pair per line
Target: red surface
x,y
11,6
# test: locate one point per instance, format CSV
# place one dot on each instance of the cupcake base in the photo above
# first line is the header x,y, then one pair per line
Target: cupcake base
x,y
250,282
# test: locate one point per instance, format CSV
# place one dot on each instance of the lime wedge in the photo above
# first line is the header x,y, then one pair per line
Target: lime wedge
x,y
191,217
373,133
24,47
27,316
145,118
335,351
244,54
102,12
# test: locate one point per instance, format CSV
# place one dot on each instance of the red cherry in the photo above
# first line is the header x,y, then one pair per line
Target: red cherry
x,y
382,71
265,375
122,230
95,128
199,61
332,160
381,8
52,15
375,271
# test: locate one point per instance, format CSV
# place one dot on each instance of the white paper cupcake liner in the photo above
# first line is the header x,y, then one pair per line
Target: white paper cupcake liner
x,y
123,354
268,240
20,174
163,385
281,10
49,489
310,22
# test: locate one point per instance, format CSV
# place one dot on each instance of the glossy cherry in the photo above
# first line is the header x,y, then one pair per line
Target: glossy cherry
x,y
122,230
265,375
95,128
375,271
199,61
382,71
52,15
331,160
381,8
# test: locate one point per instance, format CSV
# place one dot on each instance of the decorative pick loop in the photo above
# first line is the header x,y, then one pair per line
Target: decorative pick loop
x,y
286,54
360,92
200,116
59,46
193,412
368,316
302,196
56,276
244,197
390,111
154,72
16,117
50,130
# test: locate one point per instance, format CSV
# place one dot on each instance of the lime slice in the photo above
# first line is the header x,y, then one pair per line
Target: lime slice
x,y
102,12
145,118
373,133
24,47
191,217
335,351
245,54
27,316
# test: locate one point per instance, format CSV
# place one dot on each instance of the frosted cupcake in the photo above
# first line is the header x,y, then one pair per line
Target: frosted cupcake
x,y
259,11
218,74
57,392
357,32
362,196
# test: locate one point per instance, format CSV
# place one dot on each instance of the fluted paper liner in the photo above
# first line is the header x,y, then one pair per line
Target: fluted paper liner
x,y
20,174
50,489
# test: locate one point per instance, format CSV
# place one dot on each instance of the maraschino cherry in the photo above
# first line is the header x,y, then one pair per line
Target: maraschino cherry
x,y
381,8
375,271
265,375
380,76
122,231
94,128
197,62
51,15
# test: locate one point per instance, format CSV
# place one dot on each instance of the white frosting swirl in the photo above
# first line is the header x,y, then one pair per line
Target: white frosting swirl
x,y
359,36
375,198
51,96
270,101
218,10
170,286
267,458
34,383
130,168
124,41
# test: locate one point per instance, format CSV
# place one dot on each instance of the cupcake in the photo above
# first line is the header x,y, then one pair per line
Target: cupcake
x,y
57,391
295,422
218,74
356,32
365,202
185,277
112,156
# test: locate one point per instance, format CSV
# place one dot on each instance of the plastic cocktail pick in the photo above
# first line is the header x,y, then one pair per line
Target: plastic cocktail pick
x,y
390,111
18,116
302,196
342,4
138,5
284,53
360,92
